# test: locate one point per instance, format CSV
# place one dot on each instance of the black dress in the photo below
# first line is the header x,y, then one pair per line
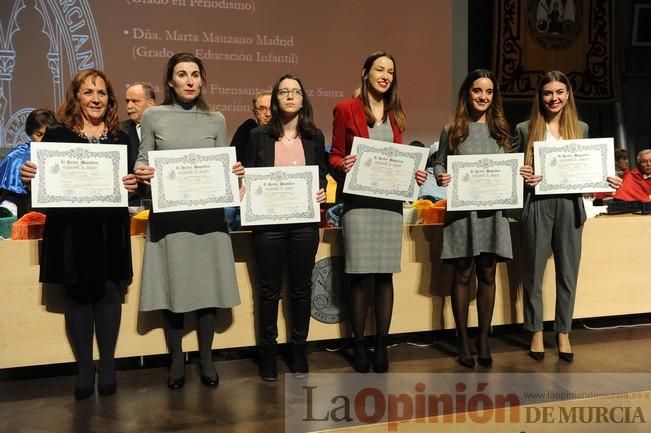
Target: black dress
x,y
85,246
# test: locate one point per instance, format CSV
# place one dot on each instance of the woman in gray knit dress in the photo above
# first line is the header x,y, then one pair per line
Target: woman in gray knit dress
x,y
476,239
188,260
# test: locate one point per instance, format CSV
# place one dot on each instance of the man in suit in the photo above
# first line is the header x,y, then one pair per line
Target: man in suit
x,y
139,96
262,117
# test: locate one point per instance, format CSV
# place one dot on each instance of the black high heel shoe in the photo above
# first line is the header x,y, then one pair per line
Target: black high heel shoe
x,y
175,384
468,362
484,361
565,356
538,356
210,381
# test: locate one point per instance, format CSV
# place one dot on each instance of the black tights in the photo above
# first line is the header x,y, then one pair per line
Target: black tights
x,y
383,290
485,271
94,309
174,336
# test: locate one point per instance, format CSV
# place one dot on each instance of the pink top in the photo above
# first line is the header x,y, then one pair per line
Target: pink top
x,y
289,152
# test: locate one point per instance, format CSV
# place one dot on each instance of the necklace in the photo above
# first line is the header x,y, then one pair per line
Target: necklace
x,y
93,139
288,140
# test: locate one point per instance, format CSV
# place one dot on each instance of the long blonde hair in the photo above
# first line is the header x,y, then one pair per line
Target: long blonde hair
x,y
569,125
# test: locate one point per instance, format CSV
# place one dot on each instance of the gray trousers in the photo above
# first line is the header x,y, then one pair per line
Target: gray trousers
x,y
550,223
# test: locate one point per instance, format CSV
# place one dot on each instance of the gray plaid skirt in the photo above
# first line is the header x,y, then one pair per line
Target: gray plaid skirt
x,y
372,241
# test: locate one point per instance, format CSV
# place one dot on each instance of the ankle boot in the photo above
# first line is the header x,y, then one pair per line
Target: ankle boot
x,y
268,368
381,357
361,363
299,364
85,386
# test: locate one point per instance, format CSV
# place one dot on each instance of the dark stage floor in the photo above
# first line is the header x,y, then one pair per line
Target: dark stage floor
x,y
39,399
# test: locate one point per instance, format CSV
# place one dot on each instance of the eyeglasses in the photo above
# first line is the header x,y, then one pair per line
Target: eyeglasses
x,y
262,109
283,93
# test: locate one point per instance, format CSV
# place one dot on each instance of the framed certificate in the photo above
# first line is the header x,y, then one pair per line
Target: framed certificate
x,y
385,170
485,182
280,195
192,179
574,166
79,175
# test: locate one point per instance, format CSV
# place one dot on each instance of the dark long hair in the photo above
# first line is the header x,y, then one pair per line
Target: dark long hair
x,y
306,127
498,127
170,95
392,104
69,112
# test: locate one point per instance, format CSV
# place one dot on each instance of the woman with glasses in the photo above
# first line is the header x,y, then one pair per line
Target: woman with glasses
x,y
290,139
188,261
372,226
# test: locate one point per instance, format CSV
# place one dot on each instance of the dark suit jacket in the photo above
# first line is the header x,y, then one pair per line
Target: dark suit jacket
x,y
133,147
519,145
241,138
262,152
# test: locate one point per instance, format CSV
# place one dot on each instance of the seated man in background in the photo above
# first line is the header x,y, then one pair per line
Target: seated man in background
x,y
636,185
262,116
138,98
13,194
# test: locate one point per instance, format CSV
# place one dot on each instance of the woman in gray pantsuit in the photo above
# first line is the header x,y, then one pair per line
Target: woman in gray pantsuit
x,y
188,261
551,221
476,239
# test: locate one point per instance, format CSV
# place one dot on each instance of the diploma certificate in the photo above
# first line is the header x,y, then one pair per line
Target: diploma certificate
x,y
280,195
191,179
79,175
485,182
574,166
385,170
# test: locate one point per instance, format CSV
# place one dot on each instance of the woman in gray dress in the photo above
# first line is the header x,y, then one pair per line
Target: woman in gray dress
x,y
372,226
476,239
188,260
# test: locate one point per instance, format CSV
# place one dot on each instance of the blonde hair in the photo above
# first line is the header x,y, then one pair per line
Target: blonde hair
x,y
570,127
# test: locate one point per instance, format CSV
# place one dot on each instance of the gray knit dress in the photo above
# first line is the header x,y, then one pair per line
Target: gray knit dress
x,y
188,259
468,234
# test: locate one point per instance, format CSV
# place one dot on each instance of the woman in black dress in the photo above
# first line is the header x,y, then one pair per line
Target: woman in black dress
x,y
88,250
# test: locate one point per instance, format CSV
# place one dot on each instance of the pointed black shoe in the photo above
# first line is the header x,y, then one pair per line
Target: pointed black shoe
x,y
565,356
268,369
484,361
468,362
380,354
361,363
175,384
538,356
209,381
